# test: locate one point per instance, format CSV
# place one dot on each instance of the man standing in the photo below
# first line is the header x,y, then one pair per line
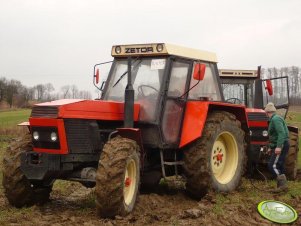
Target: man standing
x,y
278,146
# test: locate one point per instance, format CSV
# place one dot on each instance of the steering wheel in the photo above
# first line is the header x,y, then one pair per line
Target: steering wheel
x,y
234,100
141,87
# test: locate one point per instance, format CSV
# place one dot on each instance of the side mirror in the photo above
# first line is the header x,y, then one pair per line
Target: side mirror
x,y
269,87
199,71
96,76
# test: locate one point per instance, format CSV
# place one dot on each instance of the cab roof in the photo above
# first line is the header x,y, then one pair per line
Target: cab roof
x,y
230,73
162,49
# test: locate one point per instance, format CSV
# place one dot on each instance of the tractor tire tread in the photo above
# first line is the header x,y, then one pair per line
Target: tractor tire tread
x,y
17,187
196,159
110,173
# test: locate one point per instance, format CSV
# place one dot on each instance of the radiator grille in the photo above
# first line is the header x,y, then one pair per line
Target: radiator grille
x,y
44,112
82,136
255,116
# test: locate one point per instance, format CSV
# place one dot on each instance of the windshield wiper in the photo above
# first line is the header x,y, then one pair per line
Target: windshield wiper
x,y
123,74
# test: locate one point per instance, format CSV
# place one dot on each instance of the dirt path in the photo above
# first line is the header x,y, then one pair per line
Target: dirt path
x,y
75,206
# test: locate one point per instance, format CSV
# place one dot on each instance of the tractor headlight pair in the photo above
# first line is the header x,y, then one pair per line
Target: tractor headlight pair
x,y
264,133
36,136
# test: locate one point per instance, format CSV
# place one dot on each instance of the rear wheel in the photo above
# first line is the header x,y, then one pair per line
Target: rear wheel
x,y
118,176
17,188
217,159
291,165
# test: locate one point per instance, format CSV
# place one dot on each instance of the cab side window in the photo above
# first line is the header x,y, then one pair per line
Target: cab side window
x,y
208,87
178,79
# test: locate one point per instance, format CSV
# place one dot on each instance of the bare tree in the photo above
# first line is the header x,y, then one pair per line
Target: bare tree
x,y
49,88
85,95
3,87
74,92
65,91
13,87
41,89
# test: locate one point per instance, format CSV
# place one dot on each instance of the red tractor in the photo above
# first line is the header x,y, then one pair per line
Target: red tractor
x,y
247,88
162,112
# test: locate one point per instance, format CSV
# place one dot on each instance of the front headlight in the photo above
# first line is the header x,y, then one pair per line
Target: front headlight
x,y
35,135
118,49
265,133
53,136
159,47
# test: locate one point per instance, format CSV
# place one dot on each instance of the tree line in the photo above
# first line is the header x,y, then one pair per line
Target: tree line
x,y
17,95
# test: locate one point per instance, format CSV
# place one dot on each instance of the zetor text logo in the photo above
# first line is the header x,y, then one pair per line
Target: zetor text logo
x,y
277,212
139,50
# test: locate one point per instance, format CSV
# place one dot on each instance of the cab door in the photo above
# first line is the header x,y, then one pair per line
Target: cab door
x,y
175,101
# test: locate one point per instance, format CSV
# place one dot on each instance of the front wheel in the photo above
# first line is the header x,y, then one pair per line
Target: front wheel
x,y
118,176
18,189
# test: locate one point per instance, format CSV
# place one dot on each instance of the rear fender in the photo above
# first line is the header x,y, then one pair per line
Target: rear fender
x,y
238,110
196,115
293,129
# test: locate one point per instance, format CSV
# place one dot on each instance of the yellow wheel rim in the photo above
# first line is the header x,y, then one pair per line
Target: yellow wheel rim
x,y
224,158
130,182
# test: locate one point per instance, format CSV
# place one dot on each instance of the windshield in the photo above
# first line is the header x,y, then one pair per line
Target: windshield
x,y
147,76
239,93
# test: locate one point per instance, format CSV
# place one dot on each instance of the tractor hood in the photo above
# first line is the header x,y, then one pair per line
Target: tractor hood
x,y
257,117
82,109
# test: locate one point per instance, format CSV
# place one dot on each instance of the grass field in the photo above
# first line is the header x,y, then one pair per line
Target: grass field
x,y
9,121
12,118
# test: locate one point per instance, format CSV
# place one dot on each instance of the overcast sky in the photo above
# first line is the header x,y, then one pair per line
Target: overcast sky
x,y
59,41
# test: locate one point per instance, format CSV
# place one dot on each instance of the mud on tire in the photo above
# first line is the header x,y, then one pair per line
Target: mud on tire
x,y
17,188
200,159
291,166
117,178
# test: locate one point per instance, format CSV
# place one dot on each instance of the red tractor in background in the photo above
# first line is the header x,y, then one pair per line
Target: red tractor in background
x,y
246,87
162,113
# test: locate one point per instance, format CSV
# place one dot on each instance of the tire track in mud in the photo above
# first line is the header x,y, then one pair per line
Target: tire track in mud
x,y
151,209
168,207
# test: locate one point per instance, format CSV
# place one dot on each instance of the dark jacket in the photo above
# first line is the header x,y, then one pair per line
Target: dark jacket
x,y
278,131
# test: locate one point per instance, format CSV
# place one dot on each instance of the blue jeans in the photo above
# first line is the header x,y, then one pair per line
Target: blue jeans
x,y
277,162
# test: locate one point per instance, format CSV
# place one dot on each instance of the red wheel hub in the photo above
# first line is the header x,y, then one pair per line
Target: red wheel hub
x,y
127,182
219,157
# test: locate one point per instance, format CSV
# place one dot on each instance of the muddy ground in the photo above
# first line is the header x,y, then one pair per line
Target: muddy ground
x,y
73,204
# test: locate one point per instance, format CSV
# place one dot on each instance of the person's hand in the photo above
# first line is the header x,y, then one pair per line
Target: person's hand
x,y
277,151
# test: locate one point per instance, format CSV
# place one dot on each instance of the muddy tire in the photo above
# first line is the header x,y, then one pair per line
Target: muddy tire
x,y
117,178
17,188
291,165
217,160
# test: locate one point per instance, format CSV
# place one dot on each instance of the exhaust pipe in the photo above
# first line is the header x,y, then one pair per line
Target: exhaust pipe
x,y
129,99
258,97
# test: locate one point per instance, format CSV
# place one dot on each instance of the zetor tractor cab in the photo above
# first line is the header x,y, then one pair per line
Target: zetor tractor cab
x,y
162,113
247,88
